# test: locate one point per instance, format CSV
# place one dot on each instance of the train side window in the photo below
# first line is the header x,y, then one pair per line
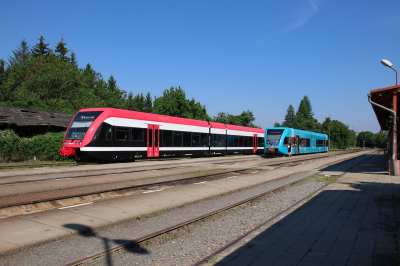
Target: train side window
x,y
139,137
285,141
240,141
260,142
217,140
304,142
245,141
235,141
104,132
187,136
195,139
138,134
122,133
204,140
319,143
177,139
167,138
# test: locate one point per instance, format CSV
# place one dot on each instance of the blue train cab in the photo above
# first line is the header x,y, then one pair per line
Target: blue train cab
x,y
277,140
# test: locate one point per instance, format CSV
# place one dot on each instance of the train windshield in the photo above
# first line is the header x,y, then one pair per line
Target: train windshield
x,y
274,135
80,124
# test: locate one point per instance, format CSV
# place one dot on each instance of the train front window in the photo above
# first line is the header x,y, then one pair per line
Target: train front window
x,y
81,124
273,136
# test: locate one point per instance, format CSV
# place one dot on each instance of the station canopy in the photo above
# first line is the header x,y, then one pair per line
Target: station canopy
x,y
384,97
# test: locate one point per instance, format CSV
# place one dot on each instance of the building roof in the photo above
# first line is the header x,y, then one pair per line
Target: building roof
x,y
27,117
384,97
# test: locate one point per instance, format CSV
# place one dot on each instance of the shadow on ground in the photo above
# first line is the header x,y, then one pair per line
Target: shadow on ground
x,y
358,225
108,244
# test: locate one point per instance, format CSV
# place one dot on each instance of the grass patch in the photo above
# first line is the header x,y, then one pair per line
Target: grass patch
x,y
161,212
326,179
202,172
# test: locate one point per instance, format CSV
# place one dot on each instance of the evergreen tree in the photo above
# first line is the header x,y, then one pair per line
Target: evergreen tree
x,y
61,50
148,103
290,118
2,68
129,105
21,54
2,72
114,96
304,120
41,49
138,102
309,107
73,59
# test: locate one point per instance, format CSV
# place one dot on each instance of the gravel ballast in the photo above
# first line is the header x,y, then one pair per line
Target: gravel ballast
x,y
181,247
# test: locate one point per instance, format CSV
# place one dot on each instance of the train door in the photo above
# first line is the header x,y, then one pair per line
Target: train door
x,y
153,138
255,143
297,144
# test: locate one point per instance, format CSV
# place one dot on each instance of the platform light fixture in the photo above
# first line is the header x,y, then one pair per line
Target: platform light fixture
x,y
389,64
330,130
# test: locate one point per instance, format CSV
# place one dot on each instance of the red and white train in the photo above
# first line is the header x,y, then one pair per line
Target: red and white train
x,y
115,135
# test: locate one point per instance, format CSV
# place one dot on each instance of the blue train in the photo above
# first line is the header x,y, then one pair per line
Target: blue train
x,y
277,140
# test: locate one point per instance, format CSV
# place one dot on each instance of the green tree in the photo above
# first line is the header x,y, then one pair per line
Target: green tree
x,y
41,48
290,118
20,55
129,104
72,59
304,120
173,102
138,102
380,139
48,85
148,103
61,50
115,97
277,124
369,137
246,118
341,136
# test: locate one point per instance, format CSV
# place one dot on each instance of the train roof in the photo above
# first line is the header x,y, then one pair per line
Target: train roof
x,y
297,130
120,113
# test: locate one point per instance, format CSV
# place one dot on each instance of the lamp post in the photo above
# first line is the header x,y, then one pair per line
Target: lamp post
x,y
330,130
354,137
389,64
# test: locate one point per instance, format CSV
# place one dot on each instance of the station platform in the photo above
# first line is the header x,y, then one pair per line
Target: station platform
x,y
354,221
33,229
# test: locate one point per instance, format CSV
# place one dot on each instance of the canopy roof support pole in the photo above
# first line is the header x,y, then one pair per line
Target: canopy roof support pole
x,y
393,129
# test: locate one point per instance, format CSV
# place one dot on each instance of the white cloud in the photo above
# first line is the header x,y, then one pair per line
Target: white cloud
x,y
304,15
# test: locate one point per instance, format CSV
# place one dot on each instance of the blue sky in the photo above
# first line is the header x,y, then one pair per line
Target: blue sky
x,y
229,55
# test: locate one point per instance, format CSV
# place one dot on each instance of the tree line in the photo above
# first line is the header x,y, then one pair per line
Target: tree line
x,y
48,79
341,136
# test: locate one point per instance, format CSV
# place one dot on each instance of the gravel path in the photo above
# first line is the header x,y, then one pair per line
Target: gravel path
x,y
183,247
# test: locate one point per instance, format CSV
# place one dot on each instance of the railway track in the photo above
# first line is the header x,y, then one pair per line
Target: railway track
x,y
140,240
35,165
130,170
36,204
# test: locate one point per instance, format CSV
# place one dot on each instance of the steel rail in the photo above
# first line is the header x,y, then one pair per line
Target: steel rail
x,y
161,168
166,230
146,185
